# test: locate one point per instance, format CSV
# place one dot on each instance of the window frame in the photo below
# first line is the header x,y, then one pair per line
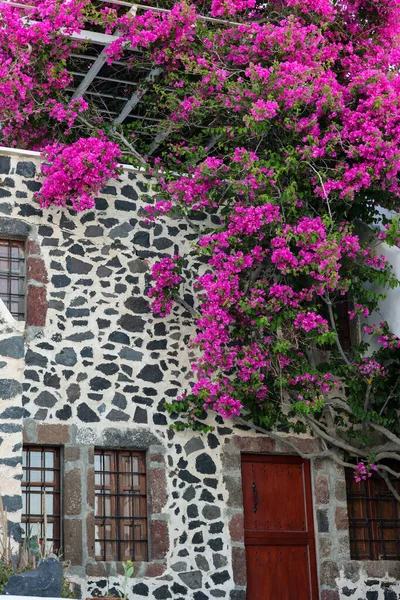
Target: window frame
x,y
57,483
116,496
9,276
370,495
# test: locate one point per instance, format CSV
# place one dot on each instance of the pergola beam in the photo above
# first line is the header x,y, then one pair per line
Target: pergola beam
x,y
137,96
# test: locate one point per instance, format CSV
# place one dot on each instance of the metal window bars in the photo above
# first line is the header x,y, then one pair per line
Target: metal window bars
x,y
374,519
41,494
120,505
12,277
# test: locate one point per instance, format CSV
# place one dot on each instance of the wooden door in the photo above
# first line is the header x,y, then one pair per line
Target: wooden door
x,y
279,530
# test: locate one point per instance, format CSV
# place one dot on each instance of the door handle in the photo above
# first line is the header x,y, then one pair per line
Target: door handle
x,y
253,485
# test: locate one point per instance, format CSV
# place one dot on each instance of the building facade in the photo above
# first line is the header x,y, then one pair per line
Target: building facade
x,y
85,440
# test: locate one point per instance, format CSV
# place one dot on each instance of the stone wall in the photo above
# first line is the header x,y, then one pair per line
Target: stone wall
x,y
98,367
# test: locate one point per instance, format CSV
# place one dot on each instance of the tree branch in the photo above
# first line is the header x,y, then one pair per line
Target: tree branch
x,y
333,324
187,307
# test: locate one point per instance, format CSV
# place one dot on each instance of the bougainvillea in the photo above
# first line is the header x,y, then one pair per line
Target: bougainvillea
x,y
280,122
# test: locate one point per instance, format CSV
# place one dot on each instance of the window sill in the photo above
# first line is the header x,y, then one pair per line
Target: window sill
x,y
152,568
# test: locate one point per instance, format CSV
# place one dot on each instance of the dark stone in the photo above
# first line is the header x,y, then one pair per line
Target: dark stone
x,y
26,169
389,595
10,428
9,388
162,593
46,399
121,231
12,503
205,464
210,482
35,359
86,414
322,520
119,400
219,561
159,419
5,208
14,531
80,337
129,192
130,354
108,368
131,323
14,228
66,223
4,193
119,337
193,445
140,415
193,579
117,415
348,592
94,231
157,345
14,461
5,164
178,589
137,305
220,578
101,203
67,357
192,511
77,312
211,512
207,496
14,412
12,347
60,281
372,595
216,545
189,495
151,373
77,249
27,210
73,392
198,539
140,589
74,265
142,238
138,266
370,582
99,383
45,581
199,596
216,527
162,243
64,413
51,380
33,186
212,441
188,477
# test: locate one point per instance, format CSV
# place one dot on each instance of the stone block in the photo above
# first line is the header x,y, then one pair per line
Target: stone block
x,y
303,444
36,306
73,550
160,539
90,487
329,572
340,490
329,595
233,485
36,270
52,434
341,518
325,546
90,535
322,495
158,487
44,581
72,492
72,453
255,444
239,565
236,528
155,569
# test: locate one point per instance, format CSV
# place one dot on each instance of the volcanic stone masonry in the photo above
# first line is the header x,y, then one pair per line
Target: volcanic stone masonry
x,y
92,367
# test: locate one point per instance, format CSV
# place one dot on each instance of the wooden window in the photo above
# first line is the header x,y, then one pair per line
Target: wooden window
x,y
121,506
41,494
374,518
12,277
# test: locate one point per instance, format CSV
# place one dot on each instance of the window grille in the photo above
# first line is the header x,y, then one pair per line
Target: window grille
x,y
121,505
41,494
374,518
12,277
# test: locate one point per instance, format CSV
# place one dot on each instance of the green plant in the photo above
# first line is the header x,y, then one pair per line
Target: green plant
x,y
128,572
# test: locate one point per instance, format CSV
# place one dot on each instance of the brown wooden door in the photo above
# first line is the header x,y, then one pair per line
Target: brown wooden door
x,y
279,530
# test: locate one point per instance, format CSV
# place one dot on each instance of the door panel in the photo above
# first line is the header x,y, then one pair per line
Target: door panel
x,y
279,532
